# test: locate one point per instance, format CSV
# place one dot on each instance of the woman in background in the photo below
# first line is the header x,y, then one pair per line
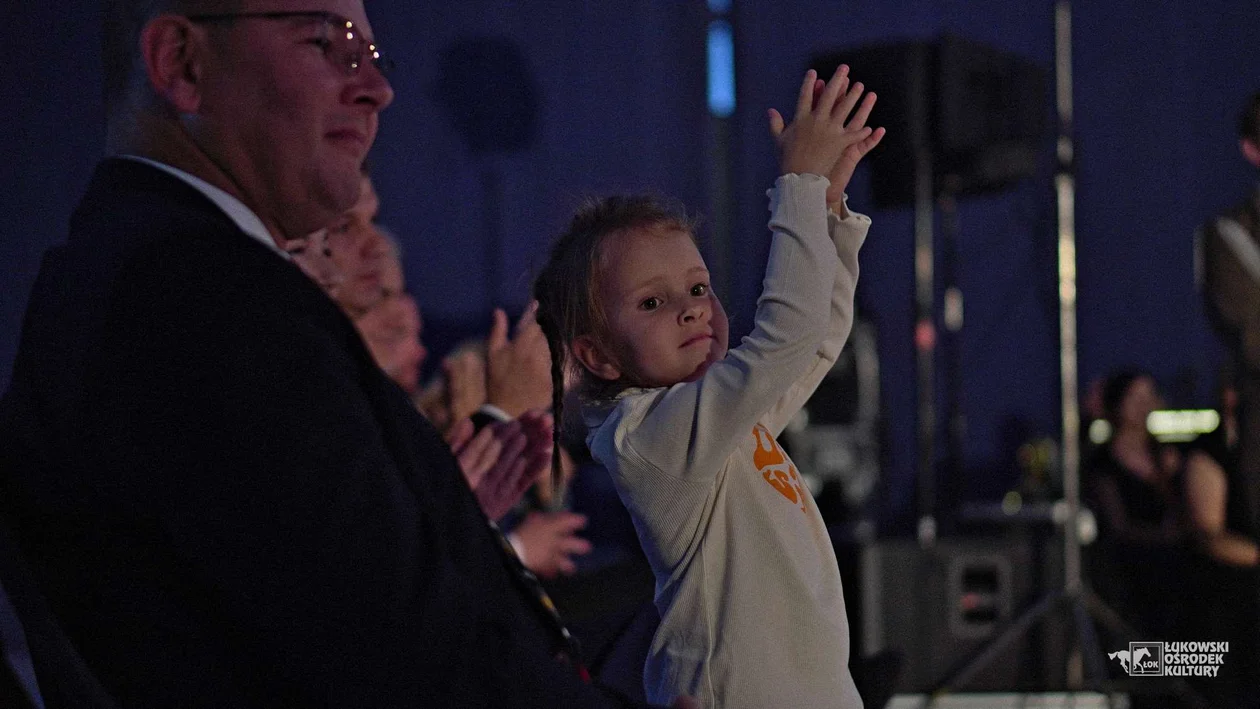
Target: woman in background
x,y
1134,484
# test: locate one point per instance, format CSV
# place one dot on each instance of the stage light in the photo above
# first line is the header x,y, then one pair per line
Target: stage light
x,y
1099,431
1180,426
721,69
1012,503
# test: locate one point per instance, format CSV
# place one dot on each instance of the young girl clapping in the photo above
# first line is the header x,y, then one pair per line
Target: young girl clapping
x,y
747,585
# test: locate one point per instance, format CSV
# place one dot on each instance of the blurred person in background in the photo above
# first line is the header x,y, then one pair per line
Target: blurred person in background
x,y
1134,484
360,251
1224,561
493,381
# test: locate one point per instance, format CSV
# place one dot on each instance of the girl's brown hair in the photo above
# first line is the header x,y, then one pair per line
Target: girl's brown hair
x,y
568,294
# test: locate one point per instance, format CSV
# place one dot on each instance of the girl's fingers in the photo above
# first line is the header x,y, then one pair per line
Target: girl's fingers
x,y
819,85
873,140
863,112
846,104
776,124
839,81
806,96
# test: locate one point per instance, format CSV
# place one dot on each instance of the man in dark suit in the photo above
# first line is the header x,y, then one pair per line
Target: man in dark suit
x,y
1229,262
1230,273
223,499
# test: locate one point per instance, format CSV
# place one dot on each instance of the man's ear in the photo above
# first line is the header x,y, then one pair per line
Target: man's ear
x,y
592,356
1250,150
174,50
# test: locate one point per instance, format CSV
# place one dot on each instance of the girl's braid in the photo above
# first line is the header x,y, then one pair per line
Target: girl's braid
x,y
554,345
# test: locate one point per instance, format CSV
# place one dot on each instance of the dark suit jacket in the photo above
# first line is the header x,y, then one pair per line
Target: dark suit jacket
x,y
1232,298
64,679
224,500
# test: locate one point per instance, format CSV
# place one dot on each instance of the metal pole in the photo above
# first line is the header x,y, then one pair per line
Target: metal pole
x,y
1065,189
1065,200
924,295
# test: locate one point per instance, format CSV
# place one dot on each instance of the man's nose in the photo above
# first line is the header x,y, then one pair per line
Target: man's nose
x,y
372,87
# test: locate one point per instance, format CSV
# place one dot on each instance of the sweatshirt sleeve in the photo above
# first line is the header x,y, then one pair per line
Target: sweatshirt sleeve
x,y
689,429
848,235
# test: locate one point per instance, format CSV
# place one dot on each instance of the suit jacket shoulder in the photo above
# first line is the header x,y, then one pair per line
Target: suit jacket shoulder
x,y
223,498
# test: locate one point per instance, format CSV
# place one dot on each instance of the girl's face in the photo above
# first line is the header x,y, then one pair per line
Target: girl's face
x,y
665,323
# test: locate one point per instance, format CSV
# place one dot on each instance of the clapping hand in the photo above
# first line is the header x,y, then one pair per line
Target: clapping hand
x,y
823,139
549,542
476,454
500,479
518,371
465,374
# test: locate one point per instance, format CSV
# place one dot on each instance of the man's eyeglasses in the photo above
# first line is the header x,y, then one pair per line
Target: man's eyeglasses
x,y
342,43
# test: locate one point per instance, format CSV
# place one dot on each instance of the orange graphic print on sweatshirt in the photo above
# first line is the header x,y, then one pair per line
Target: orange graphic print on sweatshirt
x,y
775,467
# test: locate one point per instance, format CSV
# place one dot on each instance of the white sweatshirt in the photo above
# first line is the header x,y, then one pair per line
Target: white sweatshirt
x,y
747,582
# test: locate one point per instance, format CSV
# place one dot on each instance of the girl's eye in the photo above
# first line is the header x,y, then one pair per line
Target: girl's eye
x,y
341,228
700,289
650,304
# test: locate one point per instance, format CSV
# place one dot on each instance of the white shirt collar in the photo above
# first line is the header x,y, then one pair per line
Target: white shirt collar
x,y
243,216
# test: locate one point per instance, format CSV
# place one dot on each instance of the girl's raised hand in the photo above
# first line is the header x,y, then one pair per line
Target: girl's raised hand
x,y
822,139
861,141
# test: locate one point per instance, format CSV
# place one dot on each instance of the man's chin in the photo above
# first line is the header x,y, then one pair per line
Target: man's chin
x,y
326,200
337,180
345,190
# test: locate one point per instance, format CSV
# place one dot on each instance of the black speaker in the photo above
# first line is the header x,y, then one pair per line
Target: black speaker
x,y
979,111
493,99
939,606
834,438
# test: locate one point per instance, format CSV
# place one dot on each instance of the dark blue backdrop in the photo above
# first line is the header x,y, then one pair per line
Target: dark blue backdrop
x,y
622,107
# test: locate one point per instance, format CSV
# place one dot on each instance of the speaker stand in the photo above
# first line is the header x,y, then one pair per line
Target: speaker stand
x,y
1082,607
1075,597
